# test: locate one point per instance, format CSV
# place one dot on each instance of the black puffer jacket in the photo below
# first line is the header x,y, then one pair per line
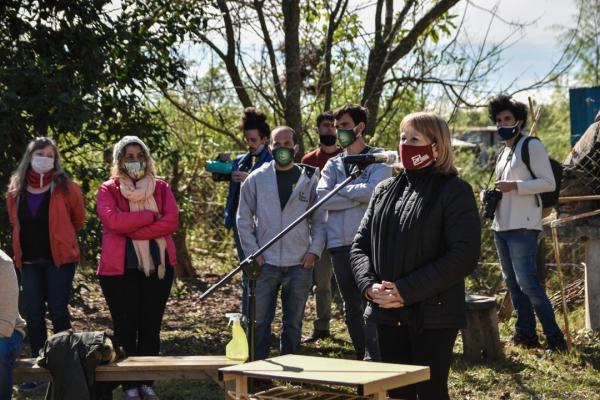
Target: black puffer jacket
x,y
444,253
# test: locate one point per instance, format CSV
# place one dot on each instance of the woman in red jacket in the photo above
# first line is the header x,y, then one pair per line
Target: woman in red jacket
x,y
138,215
45,210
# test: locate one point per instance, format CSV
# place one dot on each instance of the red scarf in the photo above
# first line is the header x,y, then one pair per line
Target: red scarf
x,y
39,181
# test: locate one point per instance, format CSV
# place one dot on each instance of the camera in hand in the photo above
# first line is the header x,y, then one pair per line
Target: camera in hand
x,y
491,197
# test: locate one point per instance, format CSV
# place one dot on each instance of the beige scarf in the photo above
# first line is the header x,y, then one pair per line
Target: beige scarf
x,y
141,197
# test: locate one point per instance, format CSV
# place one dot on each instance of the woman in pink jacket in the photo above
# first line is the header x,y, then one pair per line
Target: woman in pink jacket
x,y
138,215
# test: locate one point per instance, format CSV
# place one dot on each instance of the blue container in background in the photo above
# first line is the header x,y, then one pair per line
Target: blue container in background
x,y
219,167
584,104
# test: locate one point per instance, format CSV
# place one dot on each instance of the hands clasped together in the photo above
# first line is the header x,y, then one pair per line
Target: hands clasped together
x,y
386,295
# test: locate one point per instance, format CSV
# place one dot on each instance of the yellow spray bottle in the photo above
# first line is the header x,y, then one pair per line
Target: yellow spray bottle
x,y
237,348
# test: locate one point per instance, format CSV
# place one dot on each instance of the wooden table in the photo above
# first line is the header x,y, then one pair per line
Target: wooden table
x,y
138,368
369,378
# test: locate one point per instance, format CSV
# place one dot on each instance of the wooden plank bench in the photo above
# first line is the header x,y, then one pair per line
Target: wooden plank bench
x,y
138,368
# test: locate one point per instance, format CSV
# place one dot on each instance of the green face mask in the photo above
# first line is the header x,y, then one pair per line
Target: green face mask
x,y
283,155
135,169
346,137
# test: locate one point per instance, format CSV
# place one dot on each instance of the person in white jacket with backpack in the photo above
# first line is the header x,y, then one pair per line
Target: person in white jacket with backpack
x,y
518,223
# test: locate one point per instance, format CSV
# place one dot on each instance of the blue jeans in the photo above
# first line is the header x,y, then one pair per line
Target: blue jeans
x,y
46,283
10,349
517,250
295,283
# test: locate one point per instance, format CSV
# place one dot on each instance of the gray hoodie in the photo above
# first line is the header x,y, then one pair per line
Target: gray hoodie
x,y
260,217
346,209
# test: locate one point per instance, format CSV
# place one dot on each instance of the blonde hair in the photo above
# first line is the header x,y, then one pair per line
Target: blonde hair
x,y
18,180
436,129
118,167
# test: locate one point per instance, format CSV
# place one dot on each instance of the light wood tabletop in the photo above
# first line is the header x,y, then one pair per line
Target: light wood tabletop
x,y
369,378
138,368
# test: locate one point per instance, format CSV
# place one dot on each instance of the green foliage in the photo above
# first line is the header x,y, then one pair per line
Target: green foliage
x,y
583,42
554,125
75,71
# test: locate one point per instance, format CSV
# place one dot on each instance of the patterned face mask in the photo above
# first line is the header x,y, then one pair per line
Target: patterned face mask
x,y
135,169
283,155
346,137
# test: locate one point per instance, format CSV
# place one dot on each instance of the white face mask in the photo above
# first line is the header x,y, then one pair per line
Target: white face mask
x,y
41,164
260,148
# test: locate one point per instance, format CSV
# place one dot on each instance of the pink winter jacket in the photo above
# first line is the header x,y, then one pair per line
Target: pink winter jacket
x,y
118,223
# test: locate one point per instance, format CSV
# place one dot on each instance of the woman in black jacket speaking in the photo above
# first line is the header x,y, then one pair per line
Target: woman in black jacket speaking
x,y
417,242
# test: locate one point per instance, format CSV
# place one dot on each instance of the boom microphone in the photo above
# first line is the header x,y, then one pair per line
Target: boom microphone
x,y
388,157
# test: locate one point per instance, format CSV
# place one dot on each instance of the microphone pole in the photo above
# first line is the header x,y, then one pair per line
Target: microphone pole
x,y
253,270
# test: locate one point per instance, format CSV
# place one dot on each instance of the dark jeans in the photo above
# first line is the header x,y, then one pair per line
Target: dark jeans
x,y
10,349
429,347
244,280
322,274
517,250
137,304
363,335
44,283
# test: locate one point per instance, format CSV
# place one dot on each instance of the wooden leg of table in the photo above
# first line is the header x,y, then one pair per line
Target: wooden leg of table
x,y
229,387
241,386
381,395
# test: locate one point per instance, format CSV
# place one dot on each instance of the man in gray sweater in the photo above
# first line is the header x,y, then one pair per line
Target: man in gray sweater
x,y
12,326
271,198
344,213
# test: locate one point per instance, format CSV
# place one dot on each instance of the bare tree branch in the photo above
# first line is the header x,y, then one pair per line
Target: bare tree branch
x,y
258,5
407,42
325,81
229,56
202,122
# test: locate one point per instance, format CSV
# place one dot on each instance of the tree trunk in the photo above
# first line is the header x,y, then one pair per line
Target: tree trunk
x,y
373,86
291,23
184,267
324,85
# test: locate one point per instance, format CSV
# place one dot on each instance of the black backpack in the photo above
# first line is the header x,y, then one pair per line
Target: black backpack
x,y
549,199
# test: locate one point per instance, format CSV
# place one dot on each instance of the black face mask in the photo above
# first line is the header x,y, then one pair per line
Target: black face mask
x,y
508,132
327,140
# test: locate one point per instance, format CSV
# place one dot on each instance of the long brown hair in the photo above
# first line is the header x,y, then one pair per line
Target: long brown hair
x,y
436,129
18,180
